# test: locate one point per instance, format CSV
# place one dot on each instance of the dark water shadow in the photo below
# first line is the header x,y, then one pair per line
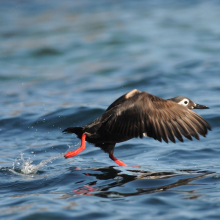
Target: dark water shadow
x,y
114,183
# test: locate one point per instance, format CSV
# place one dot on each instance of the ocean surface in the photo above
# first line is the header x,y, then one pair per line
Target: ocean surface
x,y
62,63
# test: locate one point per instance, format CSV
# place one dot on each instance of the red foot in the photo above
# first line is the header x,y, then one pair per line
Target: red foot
x,y
119,162
80,149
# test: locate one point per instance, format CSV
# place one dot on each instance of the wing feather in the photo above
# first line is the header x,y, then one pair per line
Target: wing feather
x,y
138,112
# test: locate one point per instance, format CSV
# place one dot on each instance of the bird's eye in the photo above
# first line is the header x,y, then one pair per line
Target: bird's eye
x,y
185,102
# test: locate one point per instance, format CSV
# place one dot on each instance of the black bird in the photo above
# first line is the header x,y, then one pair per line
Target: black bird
x,y
138,114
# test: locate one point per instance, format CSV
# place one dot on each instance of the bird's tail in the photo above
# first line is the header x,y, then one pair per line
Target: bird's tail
x,y
77,130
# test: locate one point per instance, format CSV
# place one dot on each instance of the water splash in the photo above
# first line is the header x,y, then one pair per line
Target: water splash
x,y
22,166
25,167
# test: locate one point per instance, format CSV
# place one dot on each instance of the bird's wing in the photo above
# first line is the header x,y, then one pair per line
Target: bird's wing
x,y
123,98
156,117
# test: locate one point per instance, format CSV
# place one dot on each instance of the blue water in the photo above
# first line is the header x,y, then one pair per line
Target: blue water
x,y
62,63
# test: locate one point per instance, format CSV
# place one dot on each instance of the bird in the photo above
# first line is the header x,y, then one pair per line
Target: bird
x,y
137,114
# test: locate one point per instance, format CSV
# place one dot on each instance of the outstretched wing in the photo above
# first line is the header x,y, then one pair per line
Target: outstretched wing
x,y
157,118
103,118
123,98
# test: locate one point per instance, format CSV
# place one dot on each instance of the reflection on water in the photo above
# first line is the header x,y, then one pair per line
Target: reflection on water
x,y
121,179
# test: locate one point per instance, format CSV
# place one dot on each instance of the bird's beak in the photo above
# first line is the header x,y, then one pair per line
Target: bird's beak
x,y
197,106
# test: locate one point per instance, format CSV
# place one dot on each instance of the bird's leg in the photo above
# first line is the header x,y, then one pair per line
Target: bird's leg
x,y
78,150
119,162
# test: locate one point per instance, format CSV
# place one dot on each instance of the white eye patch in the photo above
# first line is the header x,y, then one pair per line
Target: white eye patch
x,y
184,102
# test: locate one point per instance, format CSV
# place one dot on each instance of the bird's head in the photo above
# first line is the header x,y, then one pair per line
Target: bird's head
x,y
182,100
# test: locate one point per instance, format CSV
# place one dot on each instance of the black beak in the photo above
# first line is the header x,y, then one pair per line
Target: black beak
x,y
197,106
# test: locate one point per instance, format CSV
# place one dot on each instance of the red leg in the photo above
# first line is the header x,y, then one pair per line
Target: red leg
x,y
119,162
80,149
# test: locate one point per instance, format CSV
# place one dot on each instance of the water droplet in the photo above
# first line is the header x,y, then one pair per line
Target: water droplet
x,y
216,177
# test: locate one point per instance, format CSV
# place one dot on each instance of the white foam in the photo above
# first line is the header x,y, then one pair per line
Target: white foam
x,y
26,167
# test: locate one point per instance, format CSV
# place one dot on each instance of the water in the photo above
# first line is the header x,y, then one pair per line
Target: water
x,y
62,64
